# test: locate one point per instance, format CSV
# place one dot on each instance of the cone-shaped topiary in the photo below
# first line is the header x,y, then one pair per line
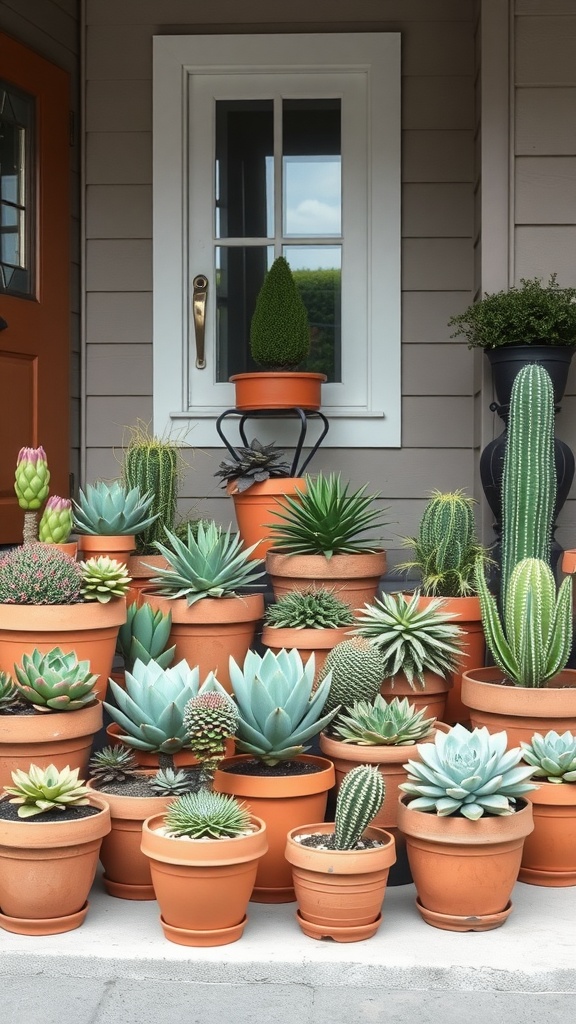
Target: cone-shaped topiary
x,y
357,669
360,797
279,332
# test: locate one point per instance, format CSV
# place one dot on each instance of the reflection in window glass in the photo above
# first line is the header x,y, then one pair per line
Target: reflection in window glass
x,y
240,271
16,214
317,271
244,168
311,167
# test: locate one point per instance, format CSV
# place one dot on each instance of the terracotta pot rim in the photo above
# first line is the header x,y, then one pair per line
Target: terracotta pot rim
x,y
278,787
268,374
308,639
274,486
54,725
384,754
132,808
482,690
137,568
461,831
25,618
553,794
340,862
37,835
101,541
467,608
433,683
221,852
240,608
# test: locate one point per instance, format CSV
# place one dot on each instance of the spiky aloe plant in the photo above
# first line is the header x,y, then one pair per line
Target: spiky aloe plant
x,y
356,669
446,548
207,815
468,774
360,797
170,782
411,639
312,608
155,466
532,640
213,563
381,724
529,477
144,636
46,789
278,709
553,756
327,519
113,764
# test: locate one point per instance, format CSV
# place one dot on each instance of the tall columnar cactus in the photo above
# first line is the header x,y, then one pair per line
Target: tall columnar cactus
x,y
532,641
529,477
153,465
357,669
360,797
446,548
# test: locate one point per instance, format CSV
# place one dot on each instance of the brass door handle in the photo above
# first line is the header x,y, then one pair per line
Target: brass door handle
x,y
199,296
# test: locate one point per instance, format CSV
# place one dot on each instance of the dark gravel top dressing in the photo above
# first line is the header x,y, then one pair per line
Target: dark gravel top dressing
x,y
283,769
9,812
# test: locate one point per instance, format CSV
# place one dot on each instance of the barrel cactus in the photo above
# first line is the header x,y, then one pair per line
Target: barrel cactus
x,y
446,548
532,640
210,719
356,669
360,797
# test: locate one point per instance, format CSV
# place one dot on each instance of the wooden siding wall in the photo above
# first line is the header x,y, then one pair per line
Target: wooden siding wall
x,y
50,27
437,256
544,179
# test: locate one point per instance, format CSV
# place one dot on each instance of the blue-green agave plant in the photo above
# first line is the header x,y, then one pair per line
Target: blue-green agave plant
x,y
278,712
468,774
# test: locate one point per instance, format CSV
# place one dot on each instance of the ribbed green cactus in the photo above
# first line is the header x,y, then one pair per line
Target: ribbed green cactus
x,y
532,641
357,669
153,465
360,797
529,477
446,548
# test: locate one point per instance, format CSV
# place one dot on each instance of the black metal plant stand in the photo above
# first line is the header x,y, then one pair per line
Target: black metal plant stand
x,y
293,411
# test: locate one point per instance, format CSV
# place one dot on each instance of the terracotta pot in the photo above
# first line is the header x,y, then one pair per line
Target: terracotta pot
x,y
340,892
47,869
432,696
520,711
257,507
464,871
569,567
58,737
183,759
140,574
283,803
210,631
126,869
355,578
549,856
118,547
277,390
203,887
318,642
473,654
69,547
89,629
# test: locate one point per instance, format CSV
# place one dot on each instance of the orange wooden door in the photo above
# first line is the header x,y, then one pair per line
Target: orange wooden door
x,y
34,270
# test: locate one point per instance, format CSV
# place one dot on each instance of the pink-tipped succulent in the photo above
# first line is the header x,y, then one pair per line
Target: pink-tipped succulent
x,y
56,522
31,486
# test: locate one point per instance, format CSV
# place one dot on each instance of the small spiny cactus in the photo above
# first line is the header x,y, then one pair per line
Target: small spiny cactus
x,y
210,719
357,669
360,797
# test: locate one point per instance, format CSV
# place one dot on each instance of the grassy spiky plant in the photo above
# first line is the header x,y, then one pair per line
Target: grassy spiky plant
x,y
207,815
170,782
312,608
113,764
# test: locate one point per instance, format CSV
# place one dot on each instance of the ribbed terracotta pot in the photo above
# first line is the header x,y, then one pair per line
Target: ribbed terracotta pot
x,y
520,711
210,631
318,642
259,505
354,578
126,869
47,870
89,629
469,618
118,547
283,803
57,737
203,886
140,574
464,871
433,695
549,856
340,892
269,389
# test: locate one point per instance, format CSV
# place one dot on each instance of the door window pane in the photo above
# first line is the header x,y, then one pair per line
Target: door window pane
x,y
317,271
244,169
240,271
311,165
16,192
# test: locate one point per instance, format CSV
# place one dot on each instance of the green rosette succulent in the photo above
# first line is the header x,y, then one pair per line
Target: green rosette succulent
x,y
170,782
46,789
278,708
553,756
112,510
467,774
9,695
312,608
379,724
57,521
103,578
55,681
113,764
32,478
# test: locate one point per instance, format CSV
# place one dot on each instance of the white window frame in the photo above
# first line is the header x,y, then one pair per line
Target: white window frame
x,y
376,422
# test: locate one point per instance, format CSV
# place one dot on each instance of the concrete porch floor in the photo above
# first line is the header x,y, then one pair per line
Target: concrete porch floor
x,y
119,969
